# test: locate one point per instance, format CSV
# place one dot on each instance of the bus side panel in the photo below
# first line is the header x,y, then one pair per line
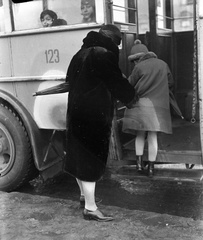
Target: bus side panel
x,y
48,111
46,54
5,58
44,57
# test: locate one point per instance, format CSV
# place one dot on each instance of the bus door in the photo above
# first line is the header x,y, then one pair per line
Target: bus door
x,y
175,36
167,28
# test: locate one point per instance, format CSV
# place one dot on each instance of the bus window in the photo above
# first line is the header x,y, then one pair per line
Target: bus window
x,y
2,26
164,15
124,11
119,11
143,16
74,12
183,15
26,15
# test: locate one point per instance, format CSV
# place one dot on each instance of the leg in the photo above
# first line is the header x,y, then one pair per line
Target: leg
x,y
89,193
91,212
139,149
82,195
80,187
152,146
152,151
139,143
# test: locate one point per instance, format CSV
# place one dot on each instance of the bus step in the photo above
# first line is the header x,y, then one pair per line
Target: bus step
x,y
172,172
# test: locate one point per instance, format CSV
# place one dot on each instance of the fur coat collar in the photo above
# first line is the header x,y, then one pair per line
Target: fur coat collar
x,y
95,39
139,57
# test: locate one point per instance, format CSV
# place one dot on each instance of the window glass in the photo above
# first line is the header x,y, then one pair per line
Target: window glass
x,y
183,15
2,26
143,16
124,11
74,12
49,13
119,14
160,13
164,14
26,15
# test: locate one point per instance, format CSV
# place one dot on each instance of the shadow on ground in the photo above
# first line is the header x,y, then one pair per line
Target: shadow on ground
x,y
183,199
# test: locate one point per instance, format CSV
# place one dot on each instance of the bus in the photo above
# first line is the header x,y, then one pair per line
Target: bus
x,y
34,58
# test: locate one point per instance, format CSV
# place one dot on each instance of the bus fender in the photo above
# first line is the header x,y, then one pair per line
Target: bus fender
x,y
40,139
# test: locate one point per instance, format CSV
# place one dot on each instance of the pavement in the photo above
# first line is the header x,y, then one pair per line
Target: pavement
x,y
51,212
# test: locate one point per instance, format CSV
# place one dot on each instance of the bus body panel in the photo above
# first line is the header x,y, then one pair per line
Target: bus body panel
x,y
49,111
46,54
40,64
5,57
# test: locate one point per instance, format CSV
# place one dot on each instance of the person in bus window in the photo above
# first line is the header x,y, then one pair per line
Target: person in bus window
x,y
88,11
47,17
151,79
94,81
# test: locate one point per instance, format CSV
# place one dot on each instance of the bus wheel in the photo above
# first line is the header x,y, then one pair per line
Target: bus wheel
x,y
16,162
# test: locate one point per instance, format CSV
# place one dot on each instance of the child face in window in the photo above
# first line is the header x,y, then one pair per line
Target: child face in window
x,y
87,11
47,21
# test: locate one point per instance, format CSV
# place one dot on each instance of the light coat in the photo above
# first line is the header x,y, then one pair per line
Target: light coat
x,y
151,78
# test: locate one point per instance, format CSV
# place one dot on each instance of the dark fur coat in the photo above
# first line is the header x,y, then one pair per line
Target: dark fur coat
x,y
95,80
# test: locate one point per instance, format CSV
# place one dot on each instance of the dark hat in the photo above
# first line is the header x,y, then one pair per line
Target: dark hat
x,y
111,31
59,22
51,13
89,2
136,49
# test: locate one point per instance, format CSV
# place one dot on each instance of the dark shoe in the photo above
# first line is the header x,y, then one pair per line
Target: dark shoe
x,y
140,166
96,215
150,169
82,201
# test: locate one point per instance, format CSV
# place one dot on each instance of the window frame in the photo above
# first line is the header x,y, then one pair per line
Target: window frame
x,y
9,20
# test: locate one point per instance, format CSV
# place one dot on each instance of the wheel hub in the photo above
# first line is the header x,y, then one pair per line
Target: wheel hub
x,y
7,150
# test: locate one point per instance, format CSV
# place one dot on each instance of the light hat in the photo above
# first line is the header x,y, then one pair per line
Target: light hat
x,y
137,50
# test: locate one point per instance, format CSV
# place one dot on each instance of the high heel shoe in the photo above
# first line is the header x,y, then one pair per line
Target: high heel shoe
x,y
140,166
96,215
82,201
150,169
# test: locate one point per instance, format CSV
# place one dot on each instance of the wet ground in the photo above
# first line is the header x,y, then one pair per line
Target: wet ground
x,y
179,198
143,209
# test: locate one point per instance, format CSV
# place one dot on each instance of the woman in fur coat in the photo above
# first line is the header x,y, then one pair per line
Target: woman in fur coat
x,y
151,79
95,80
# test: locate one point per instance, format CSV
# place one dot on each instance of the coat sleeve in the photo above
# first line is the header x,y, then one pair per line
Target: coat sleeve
x,y
134,77
107,69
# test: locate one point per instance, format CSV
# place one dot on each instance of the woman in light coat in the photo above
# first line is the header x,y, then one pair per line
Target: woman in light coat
x,y
151,79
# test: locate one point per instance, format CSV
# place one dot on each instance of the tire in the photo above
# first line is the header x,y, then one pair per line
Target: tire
x,y
16,161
